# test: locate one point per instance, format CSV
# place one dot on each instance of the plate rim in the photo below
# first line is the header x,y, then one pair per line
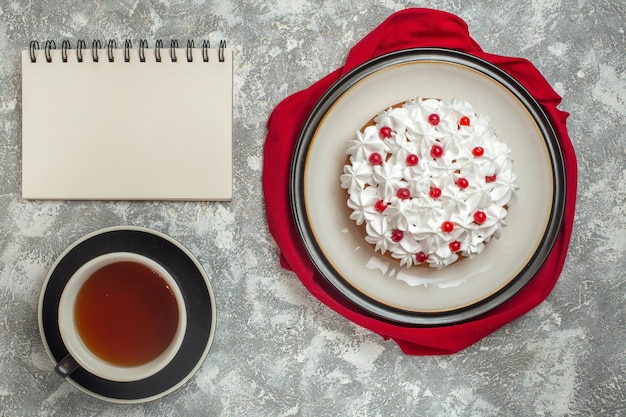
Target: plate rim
x,y
299,210
201,274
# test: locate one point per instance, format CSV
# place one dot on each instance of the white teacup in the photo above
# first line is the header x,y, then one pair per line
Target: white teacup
x,y
81,321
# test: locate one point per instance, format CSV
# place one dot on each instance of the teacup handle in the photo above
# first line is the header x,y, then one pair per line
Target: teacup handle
x,y
66,366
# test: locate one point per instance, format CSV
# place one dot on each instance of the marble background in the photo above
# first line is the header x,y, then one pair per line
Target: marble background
x,y
277,350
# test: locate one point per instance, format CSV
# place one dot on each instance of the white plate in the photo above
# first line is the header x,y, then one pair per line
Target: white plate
x,y
467,288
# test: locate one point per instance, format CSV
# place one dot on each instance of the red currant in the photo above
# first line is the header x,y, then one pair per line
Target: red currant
x,y
491,178
412,160
455,246
380,206
376,159
435,192
465,121
480,217
462,183
385,132
421,257
397,235
478,151
447,226
436,151
403,193
434,119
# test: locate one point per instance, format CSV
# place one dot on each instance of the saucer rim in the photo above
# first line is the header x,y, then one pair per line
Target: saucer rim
x,y
210,298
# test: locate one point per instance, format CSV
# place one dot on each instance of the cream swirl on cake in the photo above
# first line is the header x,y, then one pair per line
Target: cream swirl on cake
x,y
429,182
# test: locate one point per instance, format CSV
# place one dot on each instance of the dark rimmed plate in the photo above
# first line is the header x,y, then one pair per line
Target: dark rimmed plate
x,y
424,296
194,285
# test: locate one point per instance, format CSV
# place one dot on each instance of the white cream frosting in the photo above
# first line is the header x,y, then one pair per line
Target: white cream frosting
x,y
432,219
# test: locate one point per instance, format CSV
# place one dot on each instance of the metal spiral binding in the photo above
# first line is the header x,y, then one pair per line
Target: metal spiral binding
x,y
95,45
205,50
173,46
128,44
48,46
111,45
157,50
80,45
143,44
220,53
34,45
190,50
65,45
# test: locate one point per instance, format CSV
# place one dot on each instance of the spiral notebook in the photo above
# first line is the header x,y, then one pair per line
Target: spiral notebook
x,y
102,122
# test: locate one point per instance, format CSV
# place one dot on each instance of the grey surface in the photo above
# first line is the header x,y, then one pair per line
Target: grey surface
x,y
277,350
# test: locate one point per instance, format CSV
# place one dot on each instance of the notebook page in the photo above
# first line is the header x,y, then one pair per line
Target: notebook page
x,y
127,130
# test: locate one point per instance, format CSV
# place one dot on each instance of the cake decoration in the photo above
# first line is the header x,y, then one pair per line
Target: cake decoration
x,y
429,182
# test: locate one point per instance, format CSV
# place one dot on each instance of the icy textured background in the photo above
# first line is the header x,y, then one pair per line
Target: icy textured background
x,y
277,350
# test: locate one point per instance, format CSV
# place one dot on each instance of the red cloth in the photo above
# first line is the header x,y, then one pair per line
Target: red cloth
x,y
410,28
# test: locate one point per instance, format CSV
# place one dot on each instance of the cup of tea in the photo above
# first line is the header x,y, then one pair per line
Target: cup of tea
x,y
122,317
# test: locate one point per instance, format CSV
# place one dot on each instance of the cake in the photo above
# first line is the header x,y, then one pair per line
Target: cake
x,y
428,182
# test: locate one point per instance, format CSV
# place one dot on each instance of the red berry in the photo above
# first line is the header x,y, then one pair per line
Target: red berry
x,y
465,121
447,226
478,151
403,193
455,246
462,183
412,160
376,159
385,132
436,151
435,192
480,217
380,206
397,235
421,257
491,178
434,119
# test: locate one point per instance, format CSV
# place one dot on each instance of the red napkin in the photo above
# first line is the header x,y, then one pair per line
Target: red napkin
x,y
409,28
